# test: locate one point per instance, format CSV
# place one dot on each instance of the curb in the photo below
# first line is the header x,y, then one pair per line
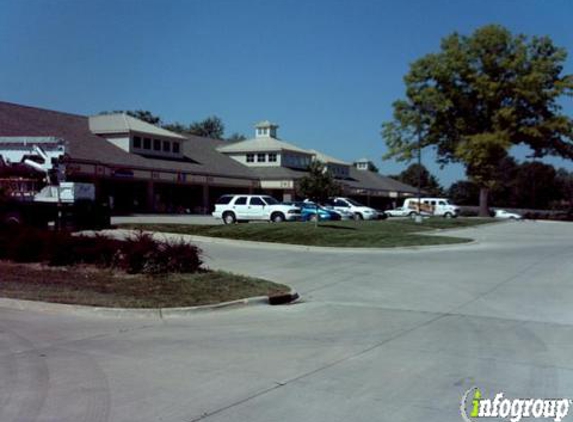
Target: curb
x,y
156,313
290,247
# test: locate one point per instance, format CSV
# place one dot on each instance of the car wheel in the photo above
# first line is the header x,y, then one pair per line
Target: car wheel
x,y
413,214
277,217
229,218
358,216
448,215
313,218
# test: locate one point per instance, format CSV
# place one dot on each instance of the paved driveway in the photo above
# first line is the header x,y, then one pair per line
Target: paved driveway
x,y
380,336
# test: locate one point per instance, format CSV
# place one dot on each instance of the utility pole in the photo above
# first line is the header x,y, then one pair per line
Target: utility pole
x,y
419,214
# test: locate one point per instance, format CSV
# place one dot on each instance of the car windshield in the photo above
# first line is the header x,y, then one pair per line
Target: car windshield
x,y
356,204
270,200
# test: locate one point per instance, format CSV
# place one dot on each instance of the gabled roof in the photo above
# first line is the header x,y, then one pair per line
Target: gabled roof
x,y
261,144
83,145
124,123
327,158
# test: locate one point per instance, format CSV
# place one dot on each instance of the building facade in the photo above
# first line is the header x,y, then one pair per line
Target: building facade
x,y
139,167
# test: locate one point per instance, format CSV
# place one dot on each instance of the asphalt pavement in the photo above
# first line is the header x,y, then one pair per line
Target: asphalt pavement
x,y
393,335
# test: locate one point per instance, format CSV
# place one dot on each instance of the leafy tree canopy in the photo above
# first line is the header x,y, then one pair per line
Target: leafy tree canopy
x,y
428,182
319,184
211,127
479,96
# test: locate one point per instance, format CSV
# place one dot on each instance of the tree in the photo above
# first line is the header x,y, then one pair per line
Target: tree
x,y
564,180
145,115
428,181
479,96
464,192
211,127
319,184
176,127
535,185
236,137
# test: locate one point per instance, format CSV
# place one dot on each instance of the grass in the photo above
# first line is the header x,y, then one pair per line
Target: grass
x,y
379,234
86,285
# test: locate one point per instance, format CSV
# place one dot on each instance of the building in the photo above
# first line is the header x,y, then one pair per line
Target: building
x,y
139,167
279,164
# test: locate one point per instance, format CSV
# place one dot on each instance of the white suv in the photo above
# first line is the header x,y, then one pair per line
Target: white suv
x,y
359,211
233,208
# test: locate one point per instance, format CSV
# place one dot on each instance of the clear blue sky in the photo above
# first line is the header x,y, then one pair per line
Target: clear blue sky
x,y
326,71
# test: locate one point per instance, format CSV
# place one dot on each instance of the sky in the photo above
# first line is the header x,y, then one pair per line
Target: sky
x,y
326,71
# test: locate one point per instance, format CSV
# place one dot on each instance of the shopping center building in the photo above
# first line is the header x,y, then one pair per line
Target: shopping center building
x,y
139,167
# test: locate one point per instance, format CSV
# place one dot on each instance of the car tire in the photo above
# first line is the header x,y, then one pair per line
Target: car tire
x,y
448,215
312,218
277,217
229,218
358,216
412,214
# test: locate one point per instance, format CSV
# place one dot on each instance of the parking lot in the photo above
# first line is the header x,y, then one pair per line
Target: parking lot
x,y
395,335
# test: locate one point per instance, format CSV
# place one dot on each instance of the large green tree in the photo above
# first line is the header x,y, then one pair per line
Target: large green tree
x,y
479,96
415,174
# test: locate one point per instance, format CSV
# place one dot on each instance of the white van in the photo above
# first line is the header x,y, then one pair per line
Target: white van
x,y
431,206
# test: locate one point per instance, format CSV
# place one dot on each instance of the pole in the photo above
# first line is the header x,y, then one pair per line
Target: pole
x,y
419,214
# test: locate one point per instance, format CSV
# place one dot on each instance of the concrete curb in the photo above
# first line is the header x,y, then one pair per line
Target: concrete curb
x,y
305,248
155,313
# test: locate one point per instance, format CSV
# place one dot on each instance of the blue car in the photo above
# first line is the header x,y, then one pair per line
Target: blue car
x,y
308,212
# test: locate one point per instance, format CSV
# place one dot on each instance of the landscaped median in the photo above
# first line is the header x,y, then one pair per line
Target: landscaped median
x,y
358,234
138,272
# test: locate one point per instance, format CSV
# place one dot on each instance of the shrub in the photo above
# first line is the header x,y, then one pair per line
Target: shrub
x,y
143,254
137,254
181,257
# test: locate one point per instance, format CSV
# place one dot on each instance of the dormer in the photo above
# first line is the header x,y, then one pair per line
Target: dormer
x,y
365,164
266,129
136,136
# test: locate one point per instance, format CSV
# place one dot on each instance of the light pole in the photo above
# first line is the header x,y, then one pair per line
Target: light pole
x,y
418,218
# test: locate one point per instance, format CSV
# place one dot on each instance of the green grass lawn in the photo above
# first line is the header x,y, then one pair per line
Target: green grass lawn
x,y
84,285
387,233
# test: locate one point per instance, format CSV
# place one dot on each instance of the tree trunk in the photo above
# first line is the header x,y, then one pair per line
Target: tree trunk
x,y
483,196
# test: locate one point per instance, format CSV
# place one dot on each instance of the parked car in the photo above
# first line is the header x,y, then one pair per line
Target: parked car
x,y
398,212
359,211
344,214
309,211
233,208
506,215
431,207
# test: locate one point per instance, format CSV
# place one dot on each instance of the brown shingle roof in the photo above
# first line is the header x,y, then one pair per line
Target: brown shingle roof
x,y
18,120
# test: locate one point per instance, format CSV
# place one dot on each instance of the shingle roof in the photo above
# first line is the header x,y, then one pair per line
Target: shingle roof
x,y
278,173
123,123
18,120
262,144
375,181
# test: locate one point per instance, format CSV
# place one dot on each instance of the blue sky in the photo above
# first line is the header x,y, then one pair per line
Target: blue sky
x,y
326,71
